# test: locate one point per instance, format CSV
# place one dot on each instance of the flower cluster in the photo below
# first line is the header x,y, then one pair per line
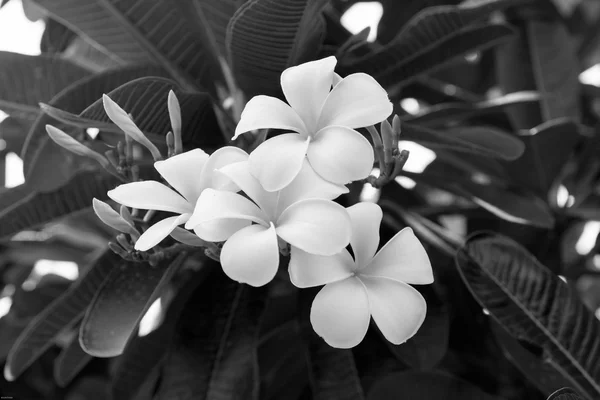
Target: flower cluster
x,y
279,198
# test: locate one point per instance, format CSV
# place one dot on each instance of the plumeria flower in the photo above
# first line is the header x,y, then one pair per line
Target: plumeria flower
x,y
189,174
300,214
367,284
323,120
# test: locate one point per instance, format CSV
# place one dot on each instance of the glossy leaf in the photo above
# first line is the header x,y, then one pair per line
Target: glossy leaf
x,y
71,360
258,56
565,394
59,316
114,314
534,305
27,80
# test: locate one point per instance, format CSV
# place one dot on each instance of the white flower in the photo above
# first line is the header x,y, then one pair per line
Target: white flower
x,y
189,174
300,215
367,285
323,120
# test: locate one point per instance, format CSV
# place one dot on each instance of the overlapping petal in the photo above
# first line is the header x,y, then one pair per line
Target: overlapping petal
x,y
308,270
219,230
263,112
404,259
217,204
157,232
316,226
306,87
251,255
366,218
397,308
340,313
181,172
357,101
150,195
239,173
341,155
277,161
209,178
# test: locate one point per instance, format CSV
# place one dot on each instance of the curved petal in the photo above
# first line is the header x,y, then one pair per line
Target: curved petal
x,y
277,161
157,232
316,226
217,204
306,87
308,270
340,313
357,101
341,155
403,259
366,218
398,309
239,174
263,112
181,172
217,160
150,195
219,230
308,185
251,255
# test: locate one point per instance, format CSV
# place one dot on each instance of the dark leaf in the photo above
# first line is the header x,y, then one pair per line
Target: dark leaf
x,y
26,208
534,305
565,394
27,80
259,56
121,303
425,386
56,37
39,151
214,355
547,150
70,362
142,31
59,316
14,131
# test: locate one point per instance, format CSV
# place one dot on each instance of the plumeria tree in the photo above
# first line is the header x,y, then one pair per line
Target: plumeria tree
x,y
264,205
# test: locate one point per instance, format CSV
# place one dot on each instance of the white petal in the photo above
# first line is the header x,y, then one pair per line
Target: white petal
x,y
181,172
404,259
316,226
239,173
150,195
306,87
251,255
357,101
277,161
220,158
398,309
263,112
366,218
309,185
340,313
157,232
341,155
308,270
219,230
217,204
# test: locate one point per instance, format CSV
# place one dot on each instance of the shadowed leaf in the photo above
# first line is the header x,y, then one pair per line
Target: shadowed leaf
x,y
70,362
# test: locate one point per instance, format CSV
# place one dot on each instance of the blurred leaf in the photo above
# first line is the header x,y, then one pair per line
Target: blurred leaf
x,y
539,372
547,150
56,37
13,131
27,80
415,385
31,208
114,314
144,32
39,151
483,141
84,54
534,305
565,394
71,360
259,56
457,112
59,316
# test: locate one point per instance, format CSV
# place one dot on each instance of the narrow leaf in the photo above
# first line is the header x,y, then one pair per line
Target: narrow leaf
x,y
565,394
112,218
69,143
71,360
